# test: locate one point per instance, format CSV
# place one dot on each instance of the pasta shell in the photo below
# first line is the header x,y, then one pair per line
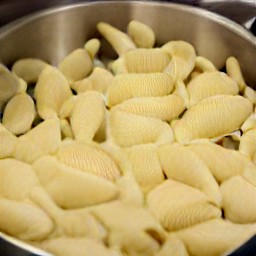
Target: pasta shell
x,y
182,92
92,47
212,117
146,60
99,80
182,61
182,164
165,108
215,237
118,40
67,107
250,173
179,206
8,141
70,188
142,35
29,69
9,85
66,130
210,84
127,86
234,71
250,123
24,221
51,91
239,200
88,158
204,64
87,116
66,246
118,66
173,247
19,119
250,94
145,166
247,144
41,140
17,179
128,129
223,163
77,65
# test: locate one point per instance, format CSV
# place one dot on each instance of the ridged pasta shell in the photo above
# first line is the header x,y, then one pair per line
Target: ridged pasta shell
x,y
74,223
178,206
51,91
88,158
145,166
92,46
128,129
212,117
9,85
67,107
87,116
66,246
182,92
8,141
127,86
77,65
250,123
250,173
24,221
250,94
165,108
247,144
66,130
17,179
146,60
204,64
118,66
118,40
41,140
29,69
71,188
209,84
223,163
239,200
99,80
19,119
182,61
234,71
173,247
215,237
142,35
182,164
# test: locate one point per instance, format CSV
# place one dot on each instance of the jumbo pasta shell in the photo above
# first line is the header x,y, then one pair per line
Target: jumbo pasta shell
x,y
178,206
23,220
145,166
142,35
51,91
41,140
71,188
77,65
165,108
118,40
87,116
212,117
215,237
182,164
210,84
223,163
239,200
128,129
146,60
29,69
88,158
17,179
127,86
19,119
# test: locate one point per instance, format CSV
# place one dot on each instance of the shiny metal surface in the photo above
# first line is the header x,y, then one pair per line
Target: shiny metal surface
x,y
52,34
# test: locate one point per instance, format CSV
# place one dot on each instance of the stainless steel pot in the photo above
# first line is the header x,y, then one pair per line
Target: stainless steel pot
x,y
53,33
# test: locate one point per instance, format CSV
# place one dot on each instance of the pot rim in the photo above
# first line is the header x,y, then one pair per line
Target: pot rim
x,y
223,21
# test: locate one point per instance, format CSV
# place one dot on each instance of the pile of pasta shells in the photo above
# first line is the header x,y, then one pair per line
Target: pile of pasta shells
x,y
151,153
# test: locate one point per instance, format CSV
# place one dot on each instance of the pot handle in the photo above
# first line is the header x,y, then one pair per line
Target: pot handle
x,y
241,11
